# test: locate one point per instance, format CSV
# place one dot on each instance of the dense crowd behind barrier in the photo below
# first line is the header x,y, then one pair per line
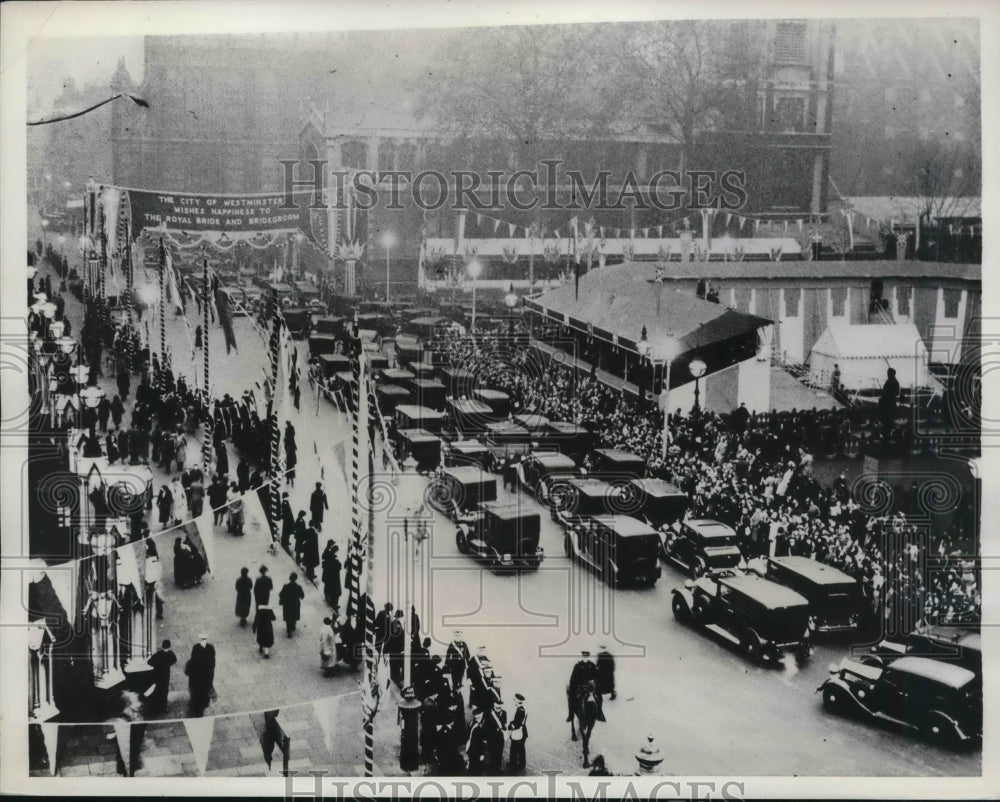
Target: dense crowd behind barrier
x,y
757,475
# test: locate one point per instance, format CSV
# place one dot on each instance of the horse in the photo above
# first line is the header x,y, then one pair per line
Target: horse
x,y
585,712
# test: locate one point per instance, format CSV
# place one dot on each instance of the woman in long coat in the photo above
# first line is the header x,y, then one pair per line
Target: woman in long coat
x,y
327,647
182,564
244,595
290,598
165,505
263,626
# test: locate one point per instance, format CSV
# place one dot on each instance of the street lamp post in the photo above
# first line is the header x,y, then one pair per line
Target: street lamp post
x,y
510,301
474,269
388,240
668,351
697,368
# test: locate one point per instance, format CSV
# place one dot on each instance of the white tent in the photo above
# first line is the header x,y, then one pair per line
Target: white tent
x,y
865,352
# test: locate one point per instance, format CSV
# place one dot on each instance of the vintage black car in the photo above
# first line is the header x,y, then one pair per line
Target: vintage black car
x,y
658,502
467,452
569,438
423,446
469,415
538,472
322,343
574,499
963,647
413,416
395,375
700,545
504,439
331,364
298,321
391,396
424,327
422,370
497,400
426,392
458,491
535,424
763,618
408,352
941,701
616,462
620,549
834,597
378,322
459,381
328,324
504,535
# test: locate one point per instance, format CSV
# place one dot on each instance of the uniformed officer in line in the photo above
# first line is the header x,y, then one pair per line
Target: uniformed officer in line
x,y
584,672
457,658
496,725
477,745
518,729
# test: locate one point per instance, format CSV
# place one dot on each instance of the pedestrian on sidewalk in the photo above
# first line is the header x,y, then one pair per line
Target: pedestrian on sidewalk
x,y
327,647
123,380
244,593
200,670
606,673
161,660
331,574
290,598
394,647
310,551
518,728
221,454
262,588
235,508
263,628
317,505
299,535
165,505
217,499
287,521
181,513
117,411
111,446
196,498
243,474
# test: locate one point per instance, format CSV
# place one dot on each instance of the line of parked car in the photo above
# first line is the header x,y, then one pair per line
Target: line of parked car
x,y
619,523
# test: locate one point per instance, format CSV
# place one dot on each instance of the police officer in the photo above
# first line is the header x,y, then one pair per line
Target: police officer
x,y
496,725
584,672
456,658
518,729
477,744
606,672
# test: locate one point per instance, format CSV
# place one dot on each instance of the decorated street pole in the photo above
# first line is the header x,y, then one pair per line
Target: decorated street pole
x,y
161,306
206,445
275,347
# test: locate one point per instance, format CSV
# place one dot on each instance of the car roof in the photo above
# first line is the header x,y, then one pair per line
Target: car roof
x,y
709,527
625,525
508,511
553,459
965,638
618,454
416,411
566,426
468,405
414,435
820,573
467,474
589,486
392,389
764,591
658,487
467,445
532,418
489,393
954,676
426,382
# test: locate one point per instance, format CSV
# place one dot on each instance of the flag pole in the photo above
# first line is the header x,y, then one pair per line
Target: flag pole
x,y
206,446
162,306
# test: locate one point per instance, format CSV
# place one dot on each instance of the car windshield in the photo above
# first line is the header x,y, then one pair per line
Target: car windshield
x,y
664,509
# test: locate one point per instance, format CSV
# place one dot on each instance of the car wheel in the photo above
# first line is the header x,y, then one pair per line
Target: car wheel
x,y
681,611
752,647
833,699
702,611
937,729
699,568
462,542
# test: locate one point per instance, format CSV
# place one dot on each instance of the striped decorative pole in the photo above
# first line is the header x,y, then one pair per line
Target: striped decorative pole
x,y
206,445
275,346
162,306
362,440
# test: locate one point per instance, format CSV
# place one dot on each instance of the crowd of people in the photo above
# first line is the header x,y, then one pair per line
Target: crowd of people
x,y
756,473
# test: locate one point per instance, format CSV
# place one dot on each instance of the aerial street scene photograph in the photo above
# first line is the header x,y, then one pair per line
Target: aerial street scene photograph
x,y
589,400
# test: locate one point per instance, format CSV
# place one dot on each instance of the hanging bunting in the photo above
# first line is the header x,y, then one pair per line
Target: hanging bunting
x,y
199,732
129,736
799,223
206,529
496,224
786,226
326,711
510,228
756,225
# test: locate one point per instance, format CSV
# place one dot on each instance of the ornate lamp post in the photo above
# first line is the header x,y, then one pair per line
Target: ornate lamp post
x,y
667,351
697,368
511,301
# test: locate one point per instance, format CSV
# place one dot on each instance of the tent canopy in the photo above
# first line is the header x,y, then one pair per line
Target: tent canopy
x,y
865,352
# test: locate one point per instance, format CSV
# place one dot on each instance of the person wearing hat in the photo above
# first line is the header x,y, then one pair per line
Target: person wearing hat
x,y
457,659
287,521
584,673
161,660
327,647
262,588
290,598
331,566
263,628
496,725
606,673
478,681
518,730
244,592
200,670
477,744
